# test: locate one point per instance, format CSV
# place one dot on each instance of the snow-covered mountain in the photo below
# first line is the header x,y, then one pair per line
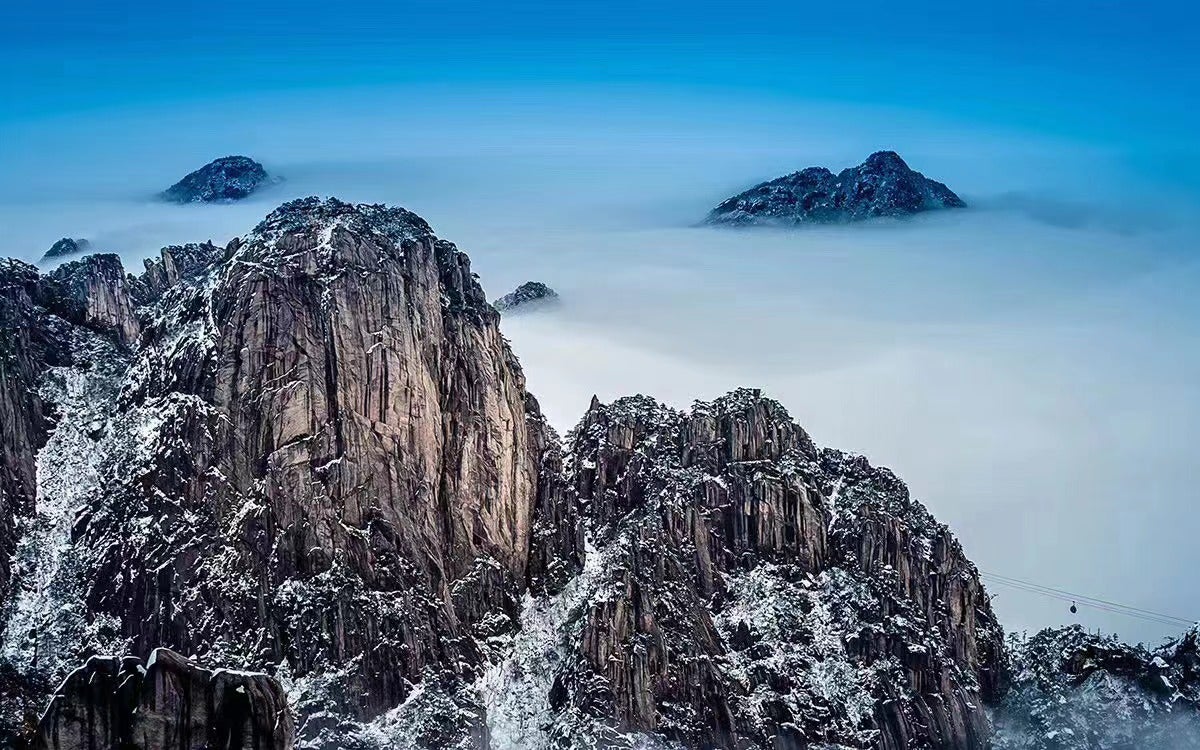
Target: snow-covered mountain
x,y
1073,690
308,462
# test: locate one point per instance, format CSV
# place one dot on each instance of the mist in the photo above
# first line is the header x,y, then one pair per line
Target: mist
x,y
1029,366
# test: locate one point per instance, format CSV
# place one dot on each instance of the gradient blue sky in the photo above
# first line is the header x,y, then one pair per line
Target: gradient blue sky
x,y
1106,70
1118,75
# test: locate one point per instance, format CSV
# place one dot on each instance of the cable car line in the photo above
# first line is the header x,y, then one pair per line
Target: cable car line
x,y
1089,601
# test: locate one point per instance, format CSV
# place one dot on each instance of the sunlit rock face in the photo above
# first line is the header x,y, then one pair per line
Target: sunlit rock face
x,y
883,185
311,454
310,448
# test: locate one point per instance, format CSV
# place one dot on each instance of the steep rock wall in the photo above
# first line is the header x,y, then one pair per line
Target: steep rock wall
x,y
321,455
311,453
764,593
167,702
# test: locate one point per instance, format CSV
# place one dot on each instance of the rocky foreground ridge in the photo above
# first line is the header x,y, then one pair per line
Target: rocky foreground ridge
x,y
165,702
883,185
311,455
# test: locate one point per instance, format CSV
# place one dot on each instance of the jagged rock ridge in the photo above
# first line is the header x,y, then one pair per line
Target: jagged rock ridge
x,y
883,185
311,454
310,448
529,294
1074,690
760,592
229,178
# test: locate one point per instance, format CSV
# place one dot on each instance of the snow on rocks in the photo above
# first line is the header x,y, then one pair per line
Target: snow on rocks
x,y
528,296
316,457
229,178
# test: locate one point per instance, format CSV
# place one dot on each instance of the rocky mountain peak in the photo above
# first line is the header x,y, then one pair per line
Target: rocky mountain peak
x,y
309,458
883,185
95,291
67,247
885,161
314,215
527,295
328,239
323,411
178,264
229,178
729,544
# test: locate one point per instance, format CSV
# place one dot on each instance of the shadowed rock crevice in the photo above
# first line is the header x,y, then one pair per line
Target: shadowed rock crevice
x,y
167,702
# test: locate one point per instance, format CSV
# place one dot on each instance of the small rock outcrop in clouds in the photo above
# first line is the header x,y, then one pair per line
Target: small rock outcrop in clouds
x,y
883,185
67,247
531,294
229,178
168,703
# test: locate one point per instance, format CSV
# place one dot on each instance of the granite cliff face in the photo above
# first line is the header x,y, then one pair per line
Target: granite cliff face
x,y
757,591
310,451
167,702
883,185
310,454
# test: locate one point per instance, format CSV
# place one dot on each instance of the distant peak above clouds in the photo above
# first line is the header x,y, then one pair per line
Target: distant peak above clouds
x,y
229,178
67,246
527,295
883,185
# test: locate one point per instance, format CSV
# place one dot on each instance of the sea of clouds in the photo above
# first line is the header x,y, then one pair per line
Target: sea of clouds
x,y
1029,366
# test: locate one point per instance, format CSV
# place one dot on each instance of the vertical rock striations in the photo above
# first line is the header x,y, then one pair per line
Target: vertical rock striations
x,y
311,454
97,293
167,702
25,349
322,455
37,315
763,593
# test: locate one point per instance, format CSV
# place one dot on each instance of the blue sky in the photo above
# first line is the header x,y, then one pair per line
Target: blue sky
x,y
1116,71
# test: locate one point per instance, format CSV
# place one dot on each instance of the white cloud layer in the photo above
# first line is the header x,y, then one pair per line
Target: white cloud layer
x,y
1029,366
